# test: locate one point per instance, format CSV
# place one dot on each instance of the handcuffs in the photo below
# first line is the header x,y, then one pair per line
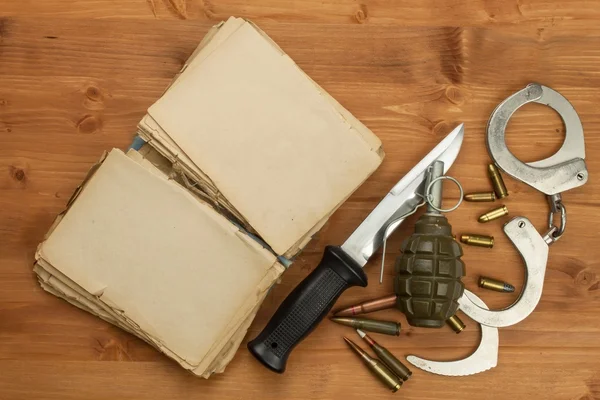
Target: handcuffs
x,y
552,176
562,171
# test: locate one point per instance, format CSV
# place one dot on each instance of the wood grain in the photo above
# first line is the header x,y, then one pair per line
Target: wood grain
x,y
76,76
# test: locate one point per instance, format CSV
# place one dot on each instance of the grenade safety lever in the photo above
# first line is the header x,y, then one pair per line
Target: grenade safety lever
x,y
430,193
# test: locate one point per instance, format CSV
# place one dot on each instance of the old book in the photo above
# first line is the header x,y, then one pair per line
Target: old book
x,y
179,240
164,274
275,128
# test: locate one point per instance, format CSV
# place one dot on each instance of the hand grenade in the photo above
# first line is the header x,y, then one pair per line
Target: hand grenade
x,y
429,270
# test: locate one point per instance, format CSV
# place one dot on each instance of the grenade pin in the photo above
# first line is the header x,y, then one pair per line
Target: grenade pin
x,y
432,196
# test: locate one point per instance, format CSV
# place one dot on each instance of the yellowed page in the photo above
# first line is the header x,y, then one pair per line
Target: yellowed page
x,y
271,142
47,280
365,132
56,282
62,283
59,285
223,31
167,271
152,131
230,348
257,298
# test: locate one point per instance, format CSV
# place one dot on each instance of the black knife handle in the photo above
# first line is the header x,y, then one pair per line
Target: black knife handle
x,y
305,307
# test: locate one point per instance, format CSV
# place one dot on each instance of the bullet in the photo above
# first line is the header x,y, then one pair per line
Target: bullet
x,y
494,284
381,303
497,182
376,367
370,325
478,240
456,324
480,197
493,214
388,358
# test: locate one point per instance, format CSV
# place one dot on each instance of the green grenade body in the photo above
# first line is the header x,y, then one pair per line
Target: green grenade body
x,y
428,273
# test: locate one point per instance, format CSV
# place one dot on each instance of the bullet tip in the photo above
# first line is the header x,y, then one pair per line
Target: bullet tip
x,y
351,343
361,333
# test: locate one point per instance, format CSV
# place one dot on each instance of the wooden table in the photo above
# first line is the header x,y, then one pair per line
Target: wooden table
x,y
76,76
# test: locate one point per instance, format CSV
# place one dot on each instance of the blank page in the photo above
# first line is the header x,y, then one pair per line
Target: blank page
x,y
148,247
275,146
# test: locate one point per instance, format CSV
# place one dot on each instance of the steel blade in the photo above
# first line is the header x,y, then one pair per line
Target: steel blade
x,y
369,235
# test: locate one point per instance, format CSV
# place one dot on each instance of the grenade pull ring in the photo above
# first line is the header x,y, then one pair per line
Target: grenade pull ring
x,y
431,202
432,196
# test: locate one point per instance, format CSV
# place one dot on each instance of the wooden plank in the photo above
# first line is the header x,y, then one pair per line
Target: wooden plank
x,y
327,379
422,13
76,76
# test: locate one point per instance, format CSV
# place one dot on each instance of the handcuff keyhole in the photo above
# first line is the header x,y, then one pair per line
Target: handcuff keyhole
x,y
521,224
581,176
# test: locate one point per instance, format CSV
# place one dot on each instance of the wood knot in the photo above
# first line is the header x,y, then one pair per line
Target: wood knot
x,y
362,14
586,278
441,128
93,93
540,34
89,124
18,175
454,95
94,99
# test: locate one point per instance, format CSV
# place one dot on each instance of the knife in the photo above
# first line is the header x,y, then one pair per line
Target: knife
x,y
342,266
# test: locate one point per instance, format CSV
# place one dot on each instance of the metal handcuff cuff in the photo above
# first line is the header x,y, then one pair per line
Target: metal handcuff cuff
x,y
558,173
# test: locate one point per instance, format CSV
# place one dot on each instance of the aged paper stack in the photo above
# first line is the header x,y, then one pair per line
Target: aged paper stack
x,y
178,240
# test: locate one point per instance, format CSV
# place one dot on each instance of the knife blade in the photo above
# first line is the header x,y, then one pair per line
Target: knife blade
x,y
342,266
403,197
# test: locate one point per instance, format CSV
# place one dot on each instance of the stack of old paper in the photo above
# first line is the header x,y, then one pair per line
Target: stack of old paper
x,y
259,137
139,250
179,240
